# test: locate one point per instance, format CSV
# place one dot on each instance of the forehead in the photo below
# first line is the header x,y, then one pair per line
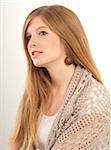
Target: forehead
x,y
36,23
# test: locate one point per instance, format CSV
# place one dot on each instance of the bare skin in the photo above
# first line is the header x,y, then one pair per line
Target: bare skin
x,y
55,101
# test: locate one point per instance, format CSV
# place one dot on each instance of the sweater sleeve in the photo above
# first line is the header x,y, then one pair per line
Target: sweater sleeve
x,y
90,130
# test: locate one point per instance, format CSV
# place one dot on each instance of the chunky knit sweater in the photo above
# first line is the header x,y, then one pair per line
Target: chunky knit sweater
x,y
82,122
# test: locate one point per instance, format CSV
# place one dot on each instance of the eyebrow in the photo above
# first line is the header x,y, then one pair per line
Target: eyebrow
x,y
38,28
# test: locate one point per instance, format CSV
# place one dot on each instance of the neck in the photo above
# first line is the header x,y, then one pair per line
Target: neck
x,y
61,77
60,81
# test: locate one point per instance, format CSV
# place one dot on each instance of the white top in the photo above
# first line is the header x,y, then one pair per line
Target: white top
x,y
44,129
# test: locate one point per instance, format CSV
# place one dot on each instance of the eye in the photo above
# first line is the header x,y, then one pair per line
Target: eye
x,y
42,33
28,37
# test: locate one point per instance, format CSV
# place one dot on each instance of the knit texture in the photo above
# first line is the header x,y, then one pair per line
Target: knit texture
x,y
82,122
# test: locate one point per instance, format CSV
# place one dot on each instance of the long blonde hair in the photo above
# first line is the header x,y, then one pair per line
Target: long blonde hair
x,y
67,26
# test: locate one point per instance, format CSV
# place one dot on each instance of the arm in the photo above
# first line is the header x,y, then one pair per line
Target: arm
x,y
87,133
90,131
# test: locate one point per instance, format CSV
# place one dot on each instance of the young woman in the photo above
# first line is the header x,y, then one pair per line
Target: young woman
x,y
65,105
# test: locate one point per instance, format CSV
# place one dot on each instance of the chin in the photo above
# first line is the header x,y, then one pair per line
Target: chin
x,y
36,64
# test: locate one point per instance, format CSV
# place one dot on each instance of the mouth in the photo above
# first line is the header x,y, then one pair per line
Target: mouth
x,y
36,53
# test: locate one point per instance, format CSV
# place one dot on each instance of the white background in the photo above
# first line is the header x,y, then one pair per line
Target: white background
x,y
95,16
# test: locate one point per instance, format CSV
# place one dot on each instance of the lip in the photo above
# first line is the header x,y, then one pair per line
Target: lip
x,y
36,53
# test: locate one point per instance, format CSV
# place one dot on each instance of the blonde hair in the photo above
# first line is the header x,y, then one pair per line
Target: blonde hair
x,y
67,26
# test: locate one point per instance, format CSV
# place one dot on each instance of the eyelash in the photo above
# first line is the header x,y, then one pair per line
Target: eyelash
x,y
43,32
29,36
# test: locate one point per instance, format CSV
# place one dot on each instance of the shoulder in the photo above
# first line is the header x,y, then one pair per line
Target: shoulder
x,y
88,96
94,98
97,91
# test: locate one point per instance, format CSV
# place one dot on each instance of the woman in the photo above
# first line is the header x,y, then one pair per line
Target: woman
x,y
65,105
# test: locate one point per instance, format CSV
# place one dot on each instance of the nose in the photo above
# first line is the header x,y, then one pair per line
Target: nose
x,y
33,42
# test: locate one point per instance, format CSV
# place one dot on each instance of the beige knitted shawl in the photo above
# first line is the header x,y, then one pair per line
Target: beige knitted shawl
x,y
82,122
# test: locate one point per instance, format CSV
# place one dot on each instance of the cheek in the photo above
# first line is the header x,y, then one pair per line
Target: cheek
x,y
52,45
27,48
28,51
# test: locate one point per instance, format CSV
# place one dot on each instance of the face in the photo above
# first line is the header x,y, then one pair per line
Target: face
x,y
44,46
